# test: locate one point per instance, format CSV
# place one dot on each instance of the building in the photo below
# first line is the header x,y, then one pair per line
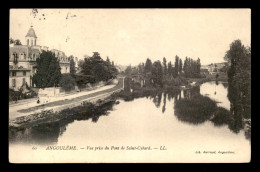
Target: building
x,y
63,59
22,61
213,68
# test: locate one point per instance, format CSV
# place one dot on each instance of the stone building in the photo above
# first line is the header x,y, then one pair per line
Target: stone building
x,y
22,61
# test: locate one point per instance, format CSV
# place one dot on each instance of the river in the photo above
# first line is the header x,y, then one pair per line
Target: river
x,y
148,124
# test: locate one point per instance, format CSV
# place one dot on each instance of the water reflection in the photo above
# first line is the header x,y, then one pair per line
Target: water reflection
x,y
192,106
48,133
194,110
164,102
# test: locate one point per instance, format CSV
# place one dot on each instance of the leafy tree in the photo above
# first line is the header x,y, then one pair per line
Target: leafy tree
x,y
108,60
72,66
176,66
170,69
198,66
48,72
148,66
17,42
239,80
157,73
11,40
141,68
98,68
164,66
185,67
180,66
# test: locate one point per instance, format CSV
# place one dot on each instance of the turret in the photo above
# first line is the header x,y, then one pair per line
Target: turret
x,y
31,37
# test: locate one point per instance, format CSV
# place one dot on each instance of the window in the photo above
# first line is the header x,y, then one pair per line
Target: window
x,y
21,55
31,42
13,73
27,41
13,82
24,55
24,81
24,73
15,55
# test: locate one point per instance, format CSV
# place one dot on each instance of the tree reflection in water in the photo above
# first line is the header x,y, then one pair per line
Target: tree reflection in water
x,y
196,109
192,108
164,102
48,133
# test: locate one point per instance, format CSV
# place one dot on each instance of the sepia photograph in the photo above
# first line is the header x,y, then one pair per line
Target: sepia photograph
x,y
126,85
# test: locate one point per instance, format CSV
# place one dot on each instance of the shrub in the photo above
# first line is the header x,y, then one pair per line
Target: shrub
x,y
67,82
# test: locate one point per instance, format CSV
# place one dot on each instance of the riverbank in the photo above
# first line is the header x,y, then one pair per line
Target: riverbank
x,y
25,116
84,110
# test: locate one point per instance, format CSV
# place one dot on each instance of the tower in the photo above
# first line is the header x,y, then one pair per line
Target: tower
x,y
31,37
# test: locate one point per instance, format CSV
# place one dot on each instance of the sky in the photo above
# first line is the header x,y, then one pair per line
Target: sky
x,y
130,36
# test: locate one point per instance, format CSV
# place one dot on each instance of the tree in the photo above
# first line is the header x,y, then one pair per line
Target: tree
x,y
72,66
164,66
48,72
17,42
170,69
11,40
180,66
185,67
108,60
98,68
239,80
176,66
141,68
148,66
157,73
198,65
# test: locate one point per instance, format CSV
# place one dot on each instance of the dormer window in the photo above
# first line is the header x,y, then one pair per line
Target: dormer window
x,y
14,55
22,55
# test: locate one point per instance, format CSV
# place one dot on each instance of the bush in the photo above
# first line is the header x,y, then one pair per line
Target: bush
x,y
19,95
67,82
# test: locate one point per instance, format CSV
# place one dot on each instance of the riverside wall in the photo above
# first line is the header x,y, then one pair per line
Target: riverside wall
x,y
55,113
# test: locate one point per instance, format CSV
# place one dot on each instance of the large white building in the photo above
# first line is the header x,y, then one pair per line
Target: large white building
x,y
22,61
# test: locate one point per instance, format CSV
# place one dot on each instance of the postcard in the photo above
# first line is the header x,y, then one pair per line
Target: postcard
x,y
130,85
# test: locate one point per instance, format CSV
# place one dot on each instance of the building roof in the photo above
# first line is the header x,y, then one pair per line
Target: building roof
x,y
35,51
14,68
18,49
31,33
